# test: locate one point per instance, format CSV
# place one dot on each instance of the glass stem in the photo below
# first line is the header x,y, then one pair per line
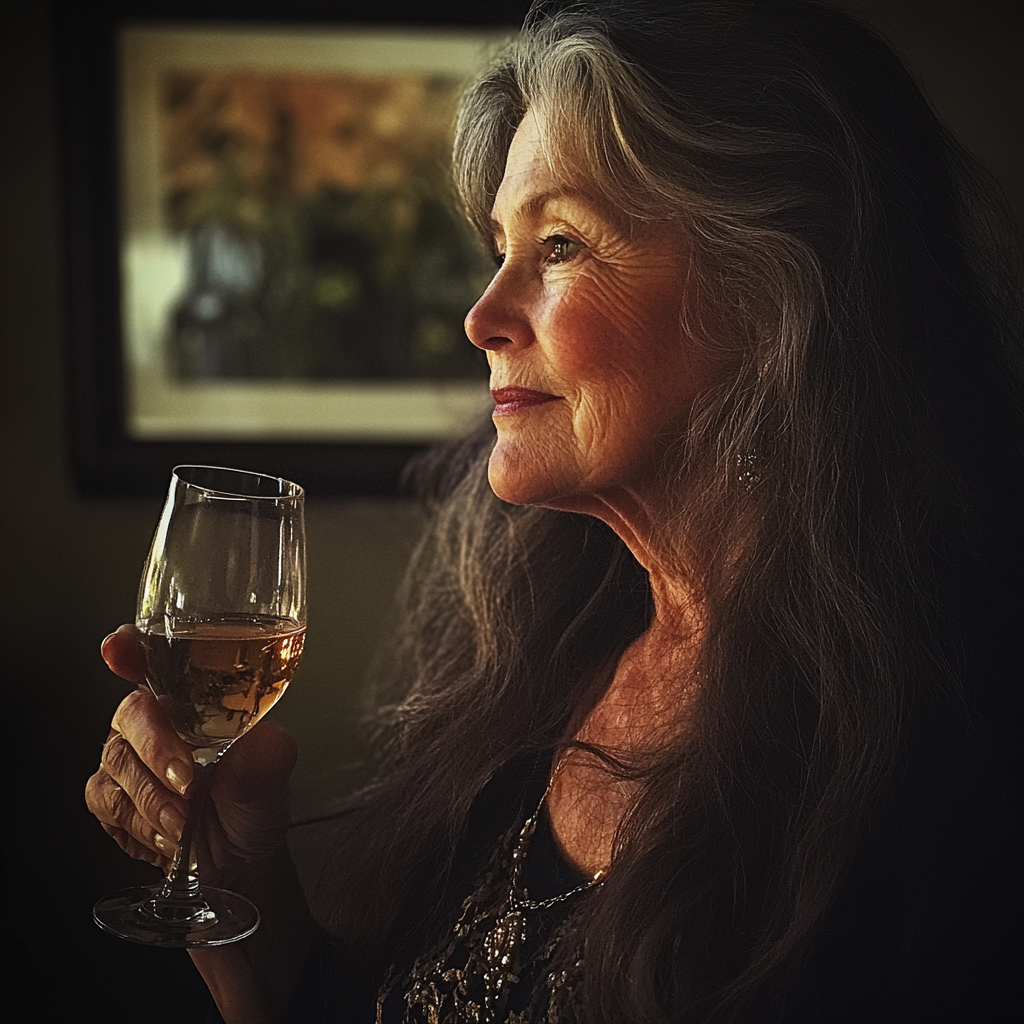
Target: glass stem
x,y
182,881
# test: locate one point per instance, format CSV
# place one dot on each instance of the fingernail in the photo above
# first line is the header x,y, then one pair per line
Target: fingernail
x,y
171,821
179,774
165,844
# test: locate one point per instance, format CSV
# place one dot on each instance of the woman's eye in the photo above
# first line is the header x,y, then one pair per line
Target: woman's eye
x,y
560,249
498,258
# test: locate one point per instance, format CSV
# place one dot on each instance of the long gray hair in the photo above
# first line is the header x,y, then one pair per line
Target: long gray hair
x,y
840,494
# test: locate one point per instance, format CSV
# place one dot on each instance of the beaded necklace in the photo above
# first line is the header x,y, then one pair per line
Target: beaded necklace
x,y
470,974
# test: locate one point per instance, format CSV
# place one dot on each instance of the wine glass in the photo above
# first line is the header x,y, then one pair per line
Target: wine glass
x,y
222,612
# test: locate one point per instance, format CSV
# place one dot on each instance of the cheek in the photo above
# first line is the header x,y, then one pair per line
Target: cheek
x,y
621,366
633,325
588,351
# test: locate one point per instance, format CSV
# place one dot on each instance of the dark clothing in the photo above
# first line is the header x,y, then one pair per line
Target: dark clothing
x,y
922,932
483,869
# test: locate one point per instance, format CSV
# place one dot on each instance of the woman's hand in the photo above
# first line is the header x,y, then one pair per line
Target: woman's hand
x,y
141,791
141,794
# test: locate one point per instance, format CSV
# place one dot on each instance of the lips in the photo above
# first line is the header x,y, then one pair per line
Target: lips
x,y
512,400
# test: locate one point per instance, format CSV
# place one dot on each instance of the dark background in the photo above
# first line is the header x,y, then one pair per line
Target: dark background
x,y
71,563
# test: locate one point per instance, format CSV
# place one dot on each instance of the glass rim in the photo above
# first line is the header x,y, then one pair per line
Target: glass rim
x,y
287,490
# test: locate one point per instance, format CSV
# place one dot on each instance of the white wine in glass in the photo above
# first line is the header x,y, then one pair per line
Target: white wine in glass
x,y
222,613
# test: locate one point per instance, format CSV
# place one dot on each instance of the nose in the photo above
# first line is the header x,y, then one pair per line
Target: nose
x,y
498,319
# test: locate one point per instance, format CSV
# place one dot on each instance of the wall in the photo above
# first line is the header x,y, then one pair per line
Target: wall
x,y
71,564
71,568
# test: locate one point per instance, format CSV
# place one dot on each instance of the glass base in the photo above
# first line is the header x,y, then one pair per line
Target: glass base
x,y
143,915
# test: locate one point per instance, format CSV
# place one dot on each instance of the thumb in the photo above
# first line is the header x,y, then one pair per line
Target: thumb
x,y
124,653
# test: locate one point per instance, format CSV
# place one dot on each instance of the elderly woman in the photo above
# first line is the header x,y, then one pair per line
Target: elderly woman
x,y
689,713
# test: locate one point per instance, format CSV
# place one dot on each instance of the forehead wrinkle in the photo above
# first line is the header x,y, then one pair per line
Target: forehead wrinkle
x,y
537,202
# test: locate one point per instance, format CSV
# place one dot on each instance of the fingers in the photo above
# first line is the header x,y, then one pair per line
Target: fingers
x,y
124,654
140,793
145,771
135,849
149,796
114,809
133,805
145,728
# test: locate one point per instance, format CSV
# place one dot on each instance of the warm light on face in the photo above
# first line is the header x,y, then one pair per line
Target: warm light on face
x,y
592,372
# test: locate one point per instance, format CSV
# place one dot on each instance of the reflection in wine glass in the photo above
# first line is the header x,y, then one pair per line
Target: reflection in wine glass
x,y
222,613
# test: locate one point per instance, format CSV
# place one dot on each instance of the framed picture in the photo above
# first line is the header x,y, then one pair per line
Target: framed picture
x,y
267,267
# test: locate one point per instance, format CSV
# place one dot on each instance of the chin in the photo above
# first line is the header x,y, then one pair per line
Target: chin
x,y
517,488
519,480
526,480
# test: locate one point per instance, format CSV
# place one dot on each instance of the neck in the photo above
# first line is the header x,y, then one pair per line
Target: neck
x,y
640,523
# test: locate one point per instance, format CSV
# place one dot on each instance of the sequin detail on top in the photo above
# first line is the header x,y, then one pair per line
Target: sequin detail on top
x,y
501,939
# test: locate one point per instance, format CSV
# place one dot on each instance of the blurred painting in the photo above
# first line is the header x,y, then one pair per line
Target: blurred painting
x,y
293,262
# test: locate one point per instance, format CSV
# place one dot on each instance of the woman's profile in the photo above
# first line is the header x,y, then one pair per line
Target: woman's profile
x,y
699,703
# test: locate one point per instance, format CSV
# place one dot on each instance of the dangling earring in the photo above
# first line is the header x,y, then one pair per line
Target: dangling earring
x,y
748,469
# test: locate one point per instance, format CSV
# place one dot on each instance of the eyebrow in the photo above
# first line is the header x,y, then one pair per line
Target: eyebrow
x,y
537,202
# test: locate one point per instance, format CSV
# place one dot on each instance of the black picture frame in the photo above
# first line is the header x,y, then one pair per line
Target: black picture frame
x,y
105,458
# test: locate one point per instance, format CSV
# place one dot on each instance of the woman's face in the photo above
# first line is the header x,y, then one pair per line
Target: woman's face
x,y
591,372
